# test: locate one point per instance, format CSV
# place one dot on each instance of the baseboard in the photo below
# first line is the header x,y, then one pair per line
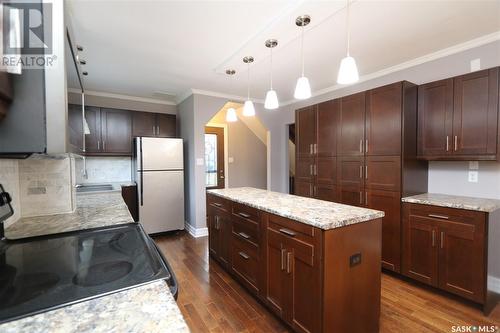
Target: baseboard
x,y
196,232
494,284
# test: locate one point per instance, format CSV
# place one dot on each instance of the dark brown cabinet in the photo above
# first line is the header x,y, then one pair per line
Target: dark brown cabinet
x,y
75,127
93,140
446,248
154,125
116,131
458,117
305,125
219,235
352,125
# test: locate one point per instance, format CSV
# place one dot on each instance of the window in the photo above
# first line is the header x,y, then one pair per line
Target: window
x,y
210,160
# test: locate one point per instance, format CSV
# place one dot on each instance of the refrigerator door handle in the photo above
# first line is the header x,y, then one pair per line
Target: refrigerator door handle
x,y
141,172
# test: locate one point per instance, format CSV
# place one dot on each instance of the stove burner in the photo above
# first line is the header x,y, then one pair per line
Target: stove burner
x,y
99,274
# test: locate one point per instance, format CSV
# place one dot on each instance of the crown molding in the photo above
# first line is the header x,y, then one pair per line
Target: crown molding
x,y
483,40
124,97
237,98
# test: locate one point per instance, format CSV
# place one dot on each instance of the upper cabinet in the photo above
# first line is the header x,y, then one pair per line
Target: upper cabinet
x,y
458,117
306,131
154,125
352,125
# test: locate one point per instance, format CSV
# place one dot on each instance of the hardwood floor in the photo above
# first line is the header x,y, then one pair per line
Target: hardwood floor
x,y
211,301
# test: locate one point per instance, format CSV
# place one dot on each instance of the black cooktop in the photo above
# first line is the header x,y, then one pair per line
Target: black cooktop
x,y
44,273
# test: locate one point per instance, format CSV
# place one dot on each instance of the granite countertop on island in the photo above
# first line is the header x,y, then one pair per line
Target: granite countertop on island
x,y
149,308
454,201
318,213
93,210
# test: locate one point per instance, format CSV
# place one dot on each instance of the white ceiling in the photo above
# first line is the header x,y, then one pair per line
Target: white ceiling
x,y
147,48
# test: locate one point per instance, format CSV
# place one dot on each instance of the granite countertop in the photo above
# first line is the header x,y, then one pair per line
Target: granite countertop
x,y
454,201
318,213
93,210
149,308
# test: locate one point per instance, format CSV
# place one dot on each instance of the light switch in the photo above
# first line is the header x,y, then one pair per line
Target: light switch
x,y
475,65
230,160
473,176
199,161
473,165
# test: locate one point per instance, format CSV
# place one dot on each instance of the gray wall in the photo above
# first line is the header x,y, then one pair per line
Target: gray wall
x,y
443,176
186,129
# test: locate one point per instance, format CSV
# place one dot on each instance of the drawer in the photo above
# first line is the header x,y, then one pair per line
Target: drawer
x,y
219,202
245,263
247,231
246,212
447,214
294,231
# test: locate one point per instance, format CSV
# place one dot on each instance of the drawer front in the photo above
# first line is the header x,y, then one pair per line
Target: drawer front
x,y
219,203
245,263
246,231
448,214
298,235
245,212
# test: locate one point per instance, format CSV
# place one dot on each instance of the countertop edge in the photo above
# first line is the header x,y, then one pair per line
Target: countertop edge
x,y
449,205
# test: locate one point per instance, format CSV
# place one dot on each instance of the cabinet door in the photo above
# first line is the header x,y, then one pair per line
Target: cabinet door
x,y
383,173
350,180
143,124
352,125
305,124
304,169
116,131
328,113
213,233
304,189
462,259
326,192
420,256
325,170
166,125
225,239
390,203
75,126
435,114
276,289
304,287
383,120
475,113
93,140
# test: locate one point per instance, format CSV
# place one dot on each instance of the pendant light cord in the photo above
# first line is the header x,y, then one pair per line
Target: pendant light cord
x,y
348,27
271,68
248,81
302,49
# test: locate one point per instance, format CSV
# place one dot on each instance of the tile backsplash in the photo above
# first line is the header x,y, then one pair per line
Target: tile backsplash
x,y
9,178
105,170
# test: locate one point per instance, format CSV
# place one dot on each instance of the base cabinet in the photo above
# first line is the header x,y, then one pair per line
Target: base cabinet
x,y
446,248
304,275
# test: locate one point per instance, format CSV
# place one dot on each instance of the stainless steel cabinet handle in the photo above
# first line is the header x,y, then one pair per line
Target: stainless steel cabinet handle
x,y
154,130
98,145
315,190
447,143
287,232
360,171
311,169
315,170
366,145
366,198
311,149
442,239
456,143
366,171
103,144
244,255
242,234
283,252
361,145
217,204
245,215
315,148
216,222
360,197
433,238
444,217
288,262
158,130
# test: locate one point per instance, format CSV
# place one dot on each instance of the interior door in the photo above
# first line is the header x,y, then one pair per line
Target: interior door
x,y
475,113
116,131
305,123
435,114
383,120
352,125
166,125
215,173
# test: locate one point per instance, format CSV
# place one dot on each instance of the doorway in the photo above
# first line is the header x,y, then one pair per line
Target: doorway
x,y
291,158
214,157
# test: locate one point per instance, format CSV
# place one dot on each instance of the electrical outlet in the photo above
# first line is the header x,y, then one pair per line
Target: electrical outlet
x,y
473,165
475,65
473,176
230,160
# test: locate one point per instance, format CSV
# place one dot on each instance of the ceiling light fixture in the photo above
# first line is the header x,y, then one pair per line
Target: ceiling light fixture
x,y
271,101
348,71
231,116
302,89
248,108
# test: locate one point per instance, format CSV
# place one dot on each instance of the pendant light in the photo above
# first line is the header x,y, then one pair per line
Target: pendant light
x,y
248,108
302,89
348,71
231,116
271,101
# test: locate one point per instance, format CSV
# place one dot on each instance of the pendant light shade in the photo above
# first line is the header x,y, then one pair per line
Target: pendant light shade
x,y
348,71
302,88
271,101
248,109
231,116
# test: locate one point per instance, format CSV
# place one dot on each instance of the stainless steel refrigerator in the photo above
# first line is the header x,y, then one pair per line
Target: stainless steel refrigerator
x,y
159,174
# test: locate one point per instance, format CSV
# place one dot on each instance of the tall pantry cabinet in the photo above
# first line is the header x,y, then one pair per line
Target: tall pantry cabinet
x,y
374,136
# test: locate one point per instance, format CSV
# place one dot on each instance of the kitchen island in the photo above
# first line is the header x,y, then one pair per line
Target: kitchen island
x,y
315,264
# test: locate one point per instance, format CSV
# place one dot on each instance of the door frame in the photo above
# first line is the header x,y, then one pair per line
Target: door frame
x,y
226,150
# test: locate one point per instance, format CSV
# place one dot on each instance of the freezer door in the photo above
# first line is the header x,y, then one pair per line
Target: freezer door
x,y
159,154
161,201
